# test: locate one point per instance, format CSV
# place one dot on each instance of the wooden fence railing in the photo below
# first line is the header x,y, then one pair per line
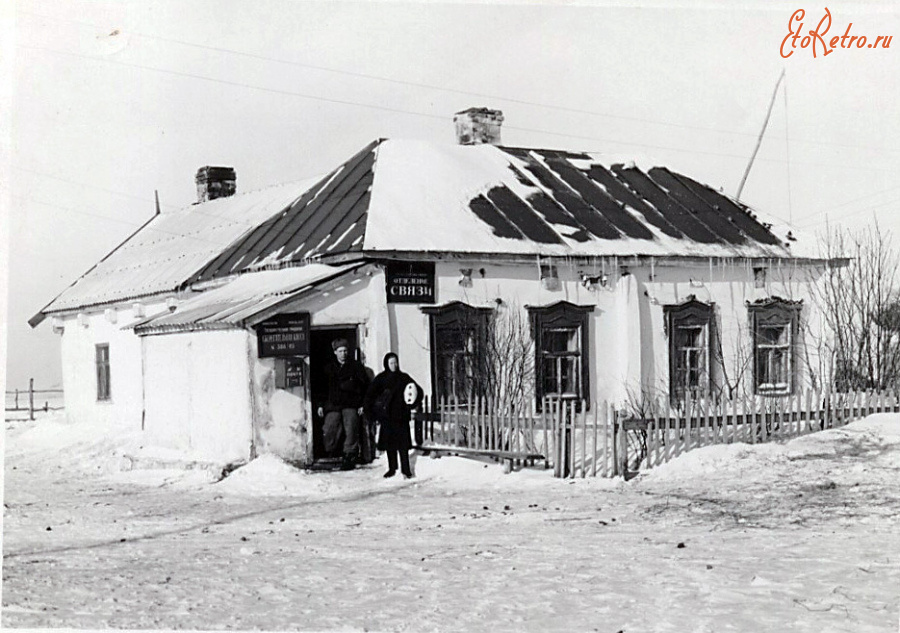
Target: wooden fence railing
x,y
23,399
577,439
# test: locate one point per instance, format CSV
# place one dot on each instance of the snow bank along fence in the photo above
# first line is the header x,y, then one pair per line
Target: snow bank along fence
x,y
23,399
579,440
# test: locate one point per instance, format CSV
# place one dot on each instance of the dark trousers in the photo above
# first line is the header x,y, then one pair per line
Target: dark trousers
x,y
404,461
338,424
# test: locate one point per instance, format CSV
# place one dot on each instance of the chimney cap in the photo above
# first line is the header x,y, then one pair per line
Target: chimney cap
x,y
211,172
481,110
475,126
215,182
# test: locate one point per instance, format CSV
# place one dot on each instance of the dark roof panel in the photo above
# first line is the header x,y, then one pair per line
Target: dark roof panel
x,y
575,206
523,216
717,222
488,213
674,213
737,213
598,199
624,195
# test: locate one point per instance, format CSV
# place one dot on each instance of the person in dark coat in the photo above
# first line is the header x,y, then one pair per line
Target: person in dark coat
x,y
347,385
390,400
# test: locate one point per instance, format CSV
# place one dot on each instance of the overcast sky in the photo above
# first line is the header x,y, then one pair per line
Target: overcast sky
x,y
113,100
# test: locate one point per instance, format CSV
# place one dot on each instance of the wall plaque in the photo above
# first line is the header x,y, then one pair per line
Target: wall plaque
x,y
284,335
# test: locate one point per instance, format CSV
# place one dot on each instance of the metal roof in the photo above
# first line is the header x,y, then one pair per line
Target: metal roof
x,y
171,247
329,218
404,196
237,303
411,196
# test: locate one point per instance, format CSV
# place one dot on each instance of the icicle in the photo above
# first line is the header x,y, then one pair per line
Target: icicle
x,y
652,269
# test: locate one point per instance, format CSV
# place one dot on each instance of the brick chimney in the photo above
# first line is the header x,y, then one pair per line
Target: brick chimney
x,y
215,182
478,125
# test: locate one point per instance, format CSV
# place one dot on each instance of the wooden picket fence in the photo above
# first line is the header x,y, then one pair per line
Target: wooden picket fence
x,y
565,435
653,440
578,439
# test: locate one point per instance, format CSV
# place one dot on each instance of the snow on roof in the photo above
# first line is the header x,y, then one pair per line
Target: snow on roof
x,y
170,248
489,199
418,197
243,298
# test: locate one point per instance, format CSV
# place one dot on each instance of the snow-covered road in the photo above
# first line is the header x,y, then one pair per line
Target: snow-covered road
x,y
795,537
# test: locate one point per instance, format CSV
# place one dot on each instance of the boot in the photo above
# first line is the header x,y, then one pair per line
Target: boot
x,y
347,463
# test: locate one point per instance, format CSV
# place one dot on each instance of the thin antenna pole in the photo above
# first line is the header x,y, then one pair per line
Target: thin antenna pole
x,y
787,149
156,196
759,140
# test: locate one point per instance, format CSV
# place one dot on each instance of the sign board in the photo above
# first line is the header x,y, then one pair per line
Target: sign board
x,y
288,372
284,335
410,282
293,372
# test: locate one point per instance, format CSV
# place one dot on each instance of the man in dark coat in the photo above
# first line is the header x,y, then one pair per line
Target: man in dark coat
x,y
347,385
389,401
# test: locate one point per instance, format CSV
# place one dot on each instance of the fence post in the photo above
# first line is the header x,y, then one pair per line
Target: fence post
x,y
572,437
604,471
594,453
615,443
31,398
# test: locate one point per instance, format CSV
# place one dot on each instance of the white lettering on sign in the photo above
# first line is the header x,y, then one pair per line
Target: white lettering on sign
x,y
410,291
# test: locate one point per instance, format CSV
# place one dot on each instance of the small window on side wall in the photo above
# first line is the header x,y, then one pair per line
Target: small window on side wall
x,y
102,369
691,330
561,351
775,324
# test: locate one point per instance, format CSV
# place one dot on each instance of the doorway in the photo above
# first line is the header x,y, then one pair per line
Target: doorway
x,y
320,354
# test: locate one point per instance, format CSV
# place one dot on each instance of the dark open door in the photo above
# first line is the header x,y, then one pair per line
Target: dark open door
x,y
320,354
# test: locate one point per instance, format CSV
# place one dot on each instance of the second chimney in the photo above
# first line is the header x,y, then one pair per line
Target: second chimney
x,y
478,125
215,182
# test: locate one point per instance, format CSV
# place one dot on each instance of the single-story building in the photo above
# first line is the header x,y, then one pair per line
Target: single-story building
x,y
208,327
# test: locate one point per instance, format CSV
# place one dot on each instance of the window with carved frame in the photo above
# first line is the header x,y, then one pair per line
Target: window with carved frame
x,y
775,324
562,368
457,346
690,327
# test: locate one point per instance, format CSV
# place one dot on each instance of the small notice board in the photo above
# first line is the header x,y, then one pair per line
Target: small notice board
x,y
410,282
284,335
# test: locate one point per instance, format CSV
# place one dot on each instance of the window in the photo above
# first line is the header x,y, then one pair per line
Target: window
x,y
102,363
457,342
561,354
689,326
561,350
775,324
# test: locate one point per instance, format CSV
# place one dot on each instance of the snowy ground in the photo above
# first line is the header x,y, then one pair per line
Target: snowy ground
x,y
801,536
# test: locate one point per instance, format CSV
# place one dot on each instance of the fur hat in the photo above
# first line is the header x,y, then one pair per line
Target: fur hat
x,y
339,342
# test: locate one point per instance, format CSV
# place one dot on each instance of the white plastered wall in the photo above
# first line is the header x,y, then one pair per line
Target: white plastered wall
x,y
197,393
283,417
731,287
80,336
627,342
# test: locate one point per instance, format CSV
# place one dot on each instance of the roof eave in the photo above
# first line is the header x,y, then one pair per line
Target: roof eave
x,y
636,259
